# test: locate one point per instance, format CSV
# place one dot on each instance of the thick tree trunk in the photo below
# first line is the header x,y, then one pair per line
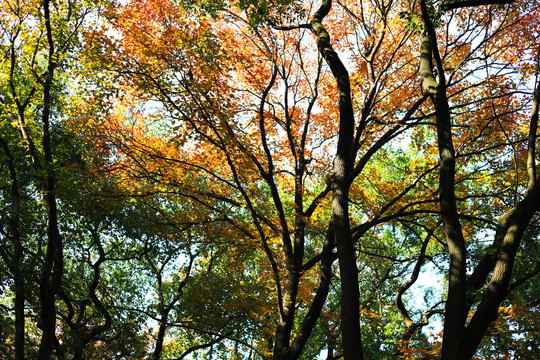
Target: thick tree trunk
x,y
161,336
498,285
460,342
286,321
512,226
455,313
51,275
350,295
343,166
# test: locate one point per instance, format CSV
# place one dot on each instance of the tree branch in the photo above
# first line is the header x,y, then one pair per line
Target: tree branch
x,y
472,3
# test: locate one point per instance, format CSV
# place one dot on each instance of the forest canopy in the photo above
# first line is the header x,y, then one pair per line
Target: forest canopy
x,y
277,179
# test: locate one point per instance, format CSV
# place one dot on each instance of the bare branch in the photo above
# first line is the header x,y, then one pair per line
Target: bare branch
x,y
472,3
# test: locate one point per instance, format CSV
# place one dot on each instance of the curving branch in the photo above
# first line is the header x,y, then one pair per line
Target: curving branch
x,y
199,347
411,325
452,5
403,288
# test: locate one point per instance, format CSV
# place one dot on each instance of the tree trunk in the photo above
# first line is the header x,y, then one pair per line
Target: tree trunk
x,y
343,166
460,342
51,275
455,313
303,334
161,336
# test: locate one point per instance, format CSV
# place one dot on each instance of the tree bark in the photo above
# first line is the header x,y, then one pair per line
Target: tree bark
x,y
343,166
512,226
51,274
461,341
303,334
455,313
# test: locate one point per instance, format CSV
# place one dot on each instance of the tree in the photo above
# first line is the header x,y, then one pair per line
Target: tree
x,y
461,339
271,139
37,40
143,64
21,97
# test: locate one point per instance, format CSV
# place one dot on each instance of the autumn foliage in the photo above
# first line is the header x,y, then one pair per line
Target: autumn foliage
x,y
269,179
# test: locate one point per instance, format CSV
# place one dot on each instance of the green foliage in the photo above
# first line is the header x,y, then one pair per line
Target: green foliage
x,y
192,195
